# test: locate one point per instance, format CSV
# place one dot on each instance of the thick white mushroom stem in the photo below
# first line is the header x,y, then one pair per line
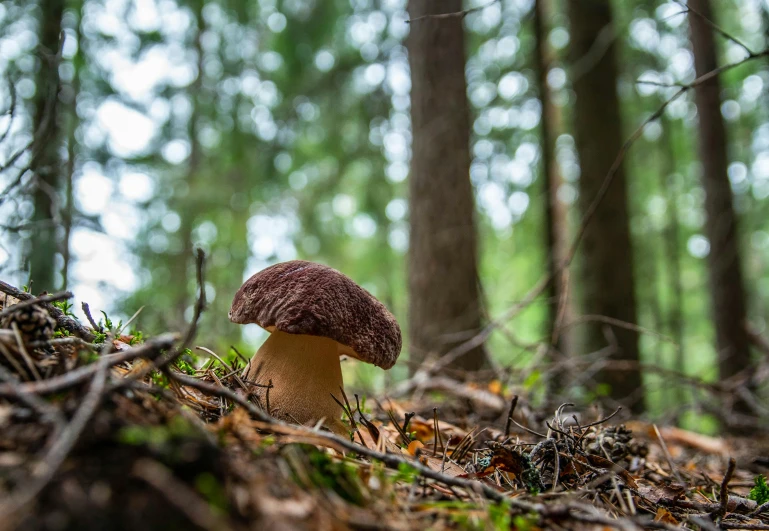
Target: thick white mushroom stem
x,y
305,372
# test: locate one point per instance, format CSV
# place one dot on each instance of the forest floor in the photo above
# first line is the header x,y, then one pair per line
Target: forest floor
x,y
100,430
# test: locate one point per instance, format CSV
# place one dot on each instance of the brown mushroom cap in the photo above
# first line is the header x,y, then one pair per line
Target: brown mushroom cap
x,y
300,297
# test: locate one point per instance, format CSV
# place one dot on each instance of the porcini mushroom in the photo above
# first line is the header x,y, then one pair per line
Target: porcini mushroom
x,y
314,314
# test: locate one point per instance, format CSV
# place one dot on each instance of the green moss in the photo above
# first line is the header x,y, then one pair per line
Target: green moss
x,y
137,337
158,437
207,485
525,522
325,473
759,493
87,357
159,379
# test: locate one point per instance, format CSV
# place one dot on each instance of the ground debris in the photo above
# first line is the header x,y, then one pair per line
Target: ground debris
x,y
128,433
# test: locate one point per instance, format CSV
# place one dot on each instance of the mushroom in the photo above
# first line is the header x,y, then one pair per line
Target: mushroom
x,y
314,314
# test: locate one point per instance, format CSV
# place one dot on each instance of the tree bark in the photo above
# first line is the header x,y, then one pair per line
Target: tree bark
x,y
46,163
68,214
189,205
607,278
724,265
444,300
556,247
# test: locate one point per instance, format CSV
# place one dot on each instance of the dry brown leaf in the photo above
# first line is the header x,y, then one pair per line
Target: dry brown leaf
x,y
414,447
654,493
495,386
448,467
665,516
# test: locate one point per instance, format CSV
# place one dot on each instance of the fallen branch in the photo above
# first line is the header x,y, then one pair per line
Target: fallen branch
x,y
724,496
34,301
62,321
150,350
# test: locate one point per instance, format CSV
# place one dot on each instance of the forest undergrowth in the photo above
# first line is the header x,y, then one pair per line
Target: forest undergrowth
x,y
105,429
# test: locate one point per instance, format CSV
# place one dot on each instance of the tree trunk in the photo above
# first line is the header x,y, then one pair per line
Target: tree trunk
x,y
726,283
189,205
556,246
46,163
68,214
444,300
607,268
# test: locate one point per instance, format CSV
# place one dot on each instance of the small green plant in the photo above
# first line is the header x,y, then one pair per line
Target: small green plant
x,y
163,438
759,493
188,363
320,470
499,516
212,490
532,380
99,337
406,473
525,522
88,357
363,409
65,307
137,337
109,324
159,379
603,390
185,367
107,321
60,333
469,515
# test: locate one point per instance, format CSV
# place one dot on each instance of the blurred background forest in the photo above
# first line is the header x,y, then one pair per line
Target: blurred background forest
x,y
446,156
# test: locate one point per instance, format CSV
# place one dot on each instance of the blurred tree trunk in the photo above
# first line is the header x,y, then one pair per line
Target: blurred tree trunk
x,y
607,268
46,162
724,267
73,122
444,300
188,205
556,232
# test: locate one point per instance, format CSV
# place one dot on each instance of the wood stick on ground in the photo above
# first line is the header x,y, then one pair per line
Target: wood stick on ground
x,y
513,404
34,301
200,302
87,311
150,349
668,457
23,351
724,497
62,321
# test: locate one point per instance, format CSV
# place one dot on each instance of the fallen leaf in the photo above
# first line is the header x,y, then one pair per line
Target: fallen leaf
x,y
448,467
414,447
665,516
654,493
